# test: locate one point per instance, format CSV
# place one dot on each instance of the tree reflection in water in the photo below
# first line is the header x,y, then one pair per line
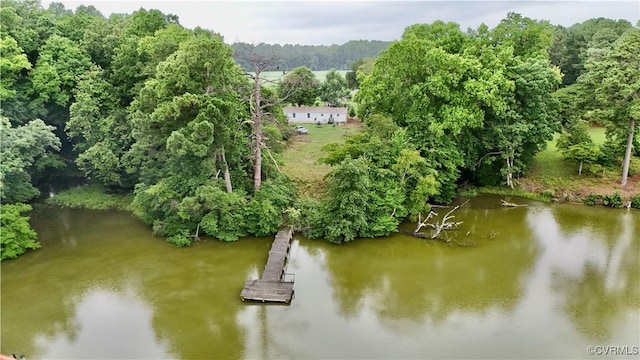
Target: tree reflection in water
x,y
543,280
445,278
600,295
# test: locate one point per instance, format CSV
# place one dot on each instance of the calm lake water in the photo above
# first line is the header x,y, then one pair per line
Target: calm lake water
x,y
542,281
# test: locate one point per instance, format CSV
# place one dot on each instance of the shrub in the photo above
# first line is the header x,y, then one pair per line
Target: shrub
x,y
263,217
614,201
225,218
17,235
592,199
352,111
547,195
299,216
609,154
273,138
635,202
180,240
288,132
597,169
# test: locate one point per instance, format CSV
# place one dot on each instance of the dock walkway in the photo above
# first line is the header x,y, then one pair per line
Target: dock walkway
x,y
272,286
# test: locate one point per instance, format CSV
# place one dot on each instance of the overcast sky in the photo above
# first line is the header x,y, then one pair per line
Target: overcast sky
x,y
336,22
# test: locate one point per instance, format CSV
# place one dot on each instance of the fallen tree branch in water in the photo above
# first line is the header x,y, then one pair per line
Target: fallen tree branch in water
x,y
424,223
439,226
446,223
510,204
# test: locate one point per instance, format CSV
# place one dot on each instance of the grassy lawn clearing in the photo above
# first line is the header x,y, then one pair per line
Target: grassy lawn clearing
x,y
550,162
303,151
549,173
597,134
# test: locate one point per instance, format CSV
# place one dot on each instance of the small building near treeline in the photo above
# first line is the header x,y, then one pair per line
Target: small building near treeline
x,y
316,114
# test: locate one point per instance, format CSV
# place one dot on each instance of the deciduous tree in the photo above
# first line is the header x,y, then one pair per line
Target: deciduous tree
x,y
437,83
299,86
570,45
12,62
21,147
28,23
190,135
100,130
333,91
56,73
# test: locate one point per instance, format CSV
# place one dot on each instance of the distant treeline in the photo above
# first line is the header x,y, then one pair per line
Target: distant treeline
x,y
316,57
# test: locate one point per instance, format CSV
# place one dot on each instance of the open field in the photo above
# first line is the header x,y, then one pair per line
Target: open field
x,y
322,74
275,76
303,151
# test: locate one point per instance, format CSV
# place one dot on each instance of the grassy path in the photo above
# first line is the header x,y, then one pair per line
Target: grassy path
x,y
303,151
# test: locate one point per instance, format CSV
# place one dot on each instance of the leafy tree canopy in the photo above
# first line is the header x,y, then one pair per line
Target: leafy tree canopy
x,y
334,90
57,70
468,100
12,62
378,179
299,86
570,45
17,235
21,147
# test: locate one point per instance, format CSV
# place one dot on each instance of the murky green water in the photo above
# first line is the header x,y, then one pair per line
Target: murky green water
x,y
543,281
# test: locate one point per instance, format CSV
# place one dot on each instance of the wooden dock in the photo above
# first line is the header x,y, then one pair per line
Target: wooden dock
x,y
272,286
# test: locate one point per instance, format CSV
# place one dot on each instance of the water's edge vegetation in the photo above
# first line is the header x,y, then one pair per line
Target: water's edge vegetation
x,y
190,134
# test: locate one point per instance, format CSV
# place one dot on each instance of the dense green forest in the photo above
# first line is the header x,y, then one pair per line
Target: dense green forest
x,y
315,57
140,105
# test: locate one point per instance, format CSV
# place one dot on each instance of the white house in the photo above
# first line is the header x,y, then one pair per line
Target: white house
x,y
315,114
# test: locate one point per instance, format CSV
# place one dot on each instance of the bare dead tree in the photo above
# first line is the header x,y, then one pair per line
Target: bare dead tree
x,y
259,65
259,106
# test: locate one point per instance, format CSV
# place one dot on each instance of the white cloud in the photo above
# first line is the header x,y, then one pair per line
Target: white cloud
x,y
329,22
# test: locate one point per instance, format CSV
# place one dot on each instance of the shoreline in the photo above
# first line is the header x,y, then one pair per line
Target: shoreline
x,y
95,197
559,196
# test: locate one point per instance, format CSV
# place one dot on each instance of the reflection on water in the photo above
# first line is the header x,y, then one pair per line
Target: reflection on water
x,y
541,281
601,291
124,331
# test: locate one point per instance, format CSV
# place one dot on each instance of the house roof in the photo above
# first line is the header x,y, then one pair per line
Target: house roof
x,y
315,109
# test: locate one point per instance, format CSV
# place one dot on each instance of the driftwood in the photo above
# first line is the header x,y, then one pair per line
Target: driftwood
x,y
424,223
509,204
440,207
438,227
